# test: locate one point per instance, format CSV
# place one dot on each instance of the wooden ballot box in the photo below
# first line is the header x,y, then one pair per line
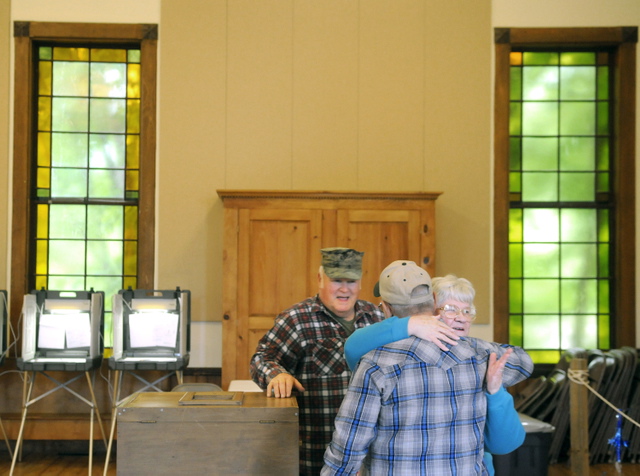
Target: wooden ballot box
x,y
214,433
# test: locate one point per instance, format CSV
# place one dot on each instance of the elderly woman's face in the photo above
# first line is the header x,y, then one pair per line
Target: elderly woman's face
x,y
455,316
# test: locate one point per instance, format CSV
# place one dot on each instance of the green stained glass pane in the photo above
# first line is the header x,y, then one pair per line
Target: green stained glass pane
x,y
68,150
515,329
515,182
540,118
67,257
539,187
541,296
603,226
539,153
70,79
602,147
107,151
579,331
44,149
130,223
133,56
604,337
44,114
66,282
515,225
603,296
44,78
68,182
515,296
105,222
603,82
540,83
106,183
108,80
603,117
70,115
44,178
541,261
577,82
42,247
544,356
130,258
515,160
133,81
109,284
603,261
577,187
578,225
45,53
579,260
133,180
515,260
108,115
541,331
70,54
541,225
133,116
579,296
104,257
578,58
515,89
109,55
540,58
68,221
133,151
603,182
577,118
42,225
515,118
577,153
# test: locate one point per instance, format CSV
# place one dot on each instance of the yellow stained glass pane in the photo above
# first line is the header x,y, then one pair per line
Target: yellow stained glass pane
x,y
43,222
132,181
133,116
515,58
130,223
133,81
108,55
44,149
130,282
44,177
41,282
133,152
130,258
41,256
44,113
71,54
44,78
544,356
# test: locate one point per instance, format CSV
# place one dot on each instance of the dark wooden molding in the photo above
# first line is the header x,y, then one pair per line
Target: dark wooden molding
x,y
21,28
501,35
150,31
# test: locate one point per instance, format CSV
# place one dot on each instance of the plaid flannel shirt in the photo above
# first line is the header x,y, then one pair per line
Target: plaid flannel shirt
x,y
416,410
308,343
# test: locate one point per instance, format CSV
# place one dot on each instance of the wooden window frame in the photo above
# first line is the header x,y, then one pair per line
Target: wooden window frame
x,y
24,138
623,40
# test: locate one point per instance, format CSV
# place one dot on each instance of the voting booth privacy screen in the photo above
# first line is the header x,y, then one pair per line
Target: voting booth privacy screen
x,y
151,326
62,330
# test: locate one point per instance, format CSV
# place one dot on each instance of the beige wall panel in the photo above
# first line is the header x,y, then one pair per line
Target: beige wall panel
x,y
259,98
458,139
5,155
191,151
391,95
325,92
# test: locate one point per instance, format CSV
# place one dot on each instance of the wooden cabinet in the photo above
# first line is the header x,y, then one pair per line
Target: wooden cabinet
x,y
272,242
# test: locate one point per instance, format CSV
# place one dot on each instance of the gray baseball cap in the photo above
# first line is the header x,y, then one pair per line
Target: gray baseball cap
x,y
342,263
403,282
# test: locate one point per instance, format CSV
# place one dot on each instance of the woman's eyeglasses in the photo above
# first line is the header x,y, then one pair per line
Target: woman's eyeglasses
x,y
451,312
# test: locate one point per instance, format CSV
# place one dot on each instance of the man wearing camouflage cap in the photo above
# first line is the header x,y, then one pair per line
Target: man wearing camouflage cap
x,y
304,350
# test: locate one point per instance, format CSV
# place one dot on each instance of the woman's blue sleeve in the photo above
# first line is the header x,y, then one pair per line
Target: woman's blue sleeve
x,y
503,431
376,335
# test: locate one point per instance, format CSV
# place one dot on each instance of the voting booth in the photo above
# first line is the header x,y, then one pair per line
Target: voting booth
x,y
175,433
61,331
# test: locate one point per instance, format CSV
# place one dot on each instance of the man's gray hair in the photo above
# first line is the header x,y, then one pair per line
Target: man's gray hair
x,y
406,310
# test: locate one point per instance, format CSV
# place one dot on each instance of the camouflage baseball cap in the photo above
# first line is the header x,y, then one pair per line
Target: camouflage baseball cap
x,y
342,263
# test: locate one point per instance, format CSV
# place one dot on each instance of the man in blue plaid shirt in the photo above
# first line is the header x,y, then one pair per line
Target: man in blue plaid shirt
x,y
412,408
305,351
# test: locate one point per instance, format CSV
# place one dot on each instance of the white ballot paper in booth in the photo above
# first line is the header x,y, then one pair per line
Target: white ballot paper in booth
x,y
153,329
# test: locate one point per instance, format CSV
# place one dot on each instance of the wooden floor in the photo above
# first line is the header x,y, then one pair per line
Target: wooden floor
x,y
77,465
